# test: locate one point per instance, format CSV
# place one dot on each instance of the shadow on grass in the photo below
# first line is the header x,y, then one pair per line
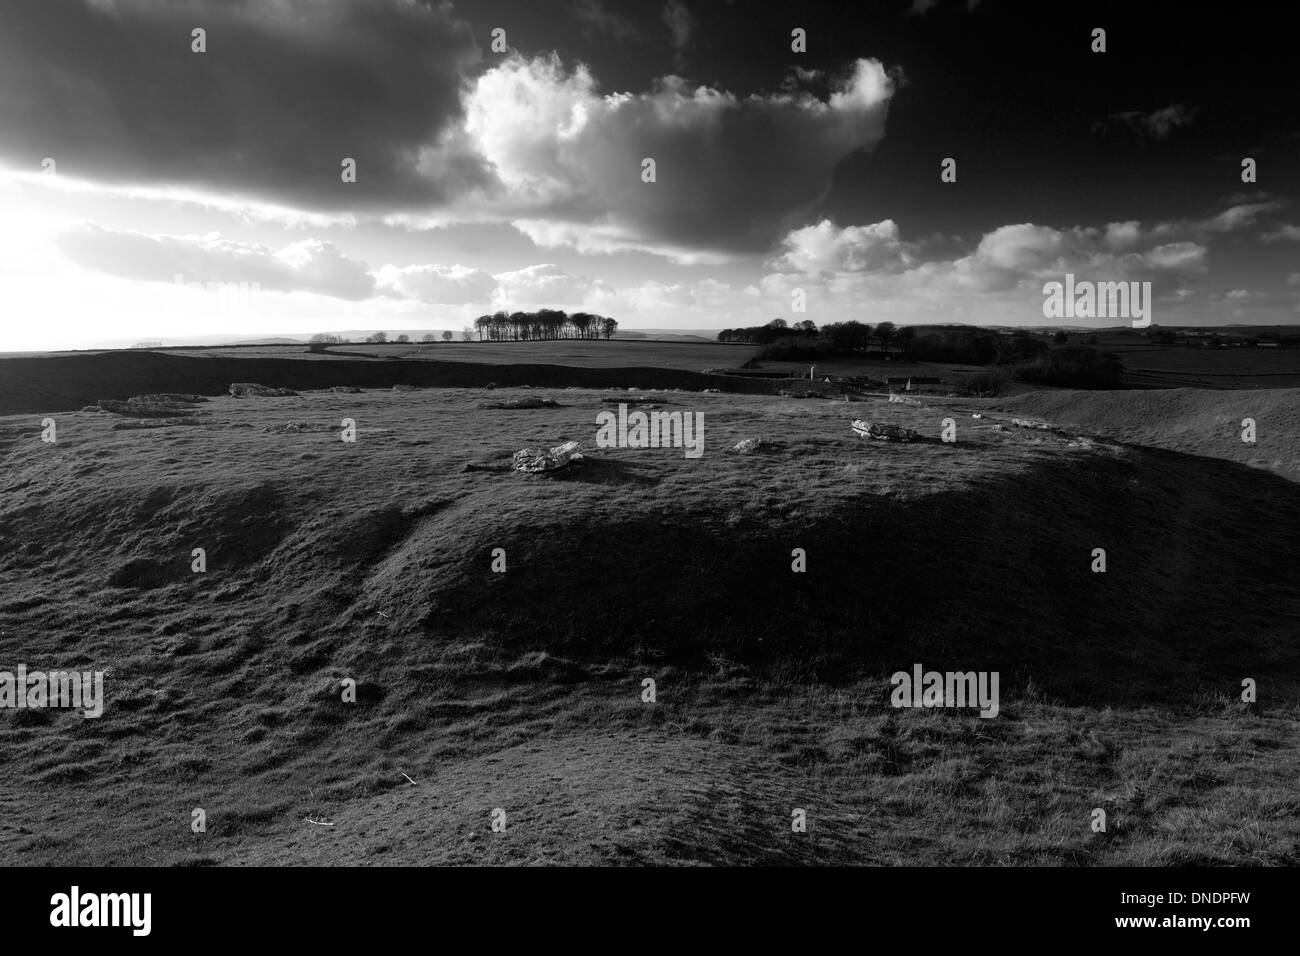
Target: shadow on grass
x,y
600,471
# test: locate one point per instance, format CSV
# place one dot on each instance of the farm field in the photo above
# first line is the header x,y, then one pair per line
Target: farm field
x,y
1148,365
476,689
617,353
68,381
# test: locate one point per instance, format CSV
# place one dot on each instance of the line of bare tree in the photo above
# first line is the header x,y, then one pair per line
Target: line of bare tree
x,y
375,338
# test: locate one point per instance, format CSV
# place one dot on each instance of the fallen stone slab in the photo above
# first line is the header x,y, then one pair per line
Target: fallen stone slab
x,y
884,432
346,389
749,446
253,390
896,399
533,461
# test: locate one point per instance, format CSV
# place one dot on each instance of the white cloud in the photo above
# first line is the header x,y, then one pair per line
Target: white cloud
x,y
733,173
545,285
872,271
827,248
438,284
310,265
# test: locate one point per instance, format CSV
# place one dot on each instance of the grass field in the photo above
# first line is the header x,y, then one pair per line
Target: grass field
x,y
1148,365
522,690
618,353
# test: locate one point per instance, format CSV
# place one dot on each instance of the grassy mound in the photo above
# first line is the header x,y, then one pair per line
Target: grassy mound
x,y
372,561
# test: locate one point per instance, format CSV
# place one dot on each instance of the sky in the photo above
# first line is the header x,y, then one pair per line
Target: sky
x,y
152,191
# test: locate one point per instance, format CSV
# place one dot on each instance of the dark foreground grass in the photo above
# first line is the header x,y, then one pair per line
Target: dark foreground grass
x,y
522,690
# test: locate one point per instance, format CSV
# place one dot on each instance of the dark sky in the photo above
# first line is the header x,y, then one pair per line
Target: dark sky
x,y
499,179
1012,90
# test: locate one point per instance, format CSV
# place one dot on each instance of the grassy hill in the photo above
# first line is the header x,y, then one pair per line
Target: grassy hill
x,y
522,690
1189,420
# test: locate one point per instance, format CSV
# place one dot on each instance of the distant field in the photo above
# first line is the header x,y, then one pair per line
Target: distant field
x,y
68,381
1175,366
686,356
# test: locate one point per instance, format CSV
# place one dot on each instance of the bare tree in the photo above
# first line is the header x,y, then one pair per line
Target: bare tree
x,y
446,336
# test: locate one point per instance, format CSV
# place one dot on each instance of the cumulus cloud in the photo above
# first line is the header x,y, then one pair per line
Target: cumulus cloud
x,y
733,173
874,270
438,135
310,265
828,248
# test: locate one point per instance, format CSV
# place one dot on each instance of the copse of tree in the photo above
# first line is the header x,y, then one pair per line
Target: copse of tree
x,y
962,346
798,347
542,325
767,334
1020,346
404,338
987,383
847,337
446,336
956,344
320,338
885,334
377,338
1073,366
